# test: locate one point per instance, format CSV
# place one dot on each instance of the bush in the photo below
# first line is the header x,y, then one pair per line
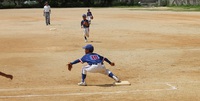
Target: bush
x,y
125,4
72,4
31,5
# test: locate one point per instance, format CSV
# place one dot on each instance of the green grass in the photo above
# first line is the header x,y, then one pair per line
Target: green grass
x,y
169,8
185,8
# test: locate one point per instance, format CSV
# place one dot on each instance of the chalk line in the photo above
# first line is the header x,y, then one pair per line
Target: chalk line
x,y
169,84
25,89
85,93
172,87
52,29
80,94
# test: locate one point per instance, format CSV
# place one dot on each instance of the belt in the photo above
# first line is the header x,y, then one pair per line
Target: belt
x,y
97,63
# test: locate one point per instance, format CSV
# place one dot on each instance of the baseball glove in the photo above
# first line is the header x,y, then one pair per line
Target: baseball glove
x,y
69,66
85,23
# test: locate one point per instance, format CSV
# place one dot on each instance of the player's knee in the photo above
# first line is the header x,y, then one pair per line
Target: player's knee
x,y
108,71
84,70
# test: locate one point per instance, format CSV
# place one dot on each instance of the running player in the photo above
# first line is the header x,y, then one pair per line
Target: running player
x,y
85,25
89,16
95,64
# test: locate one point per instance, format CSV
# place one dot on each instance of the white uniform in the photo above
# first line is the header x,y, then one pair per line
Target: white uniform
x,y
47,11
47,8
85,28
86,32
95,68
89,18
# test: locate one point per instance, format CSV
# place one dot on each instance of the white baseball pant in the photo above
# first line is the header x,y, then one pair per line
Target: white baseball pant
x,y
86,32
99,68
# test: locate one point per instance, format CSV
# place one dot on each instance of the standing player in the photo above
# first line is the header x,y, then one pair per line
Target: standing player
x,y
46,13
89,16
95,64
85,25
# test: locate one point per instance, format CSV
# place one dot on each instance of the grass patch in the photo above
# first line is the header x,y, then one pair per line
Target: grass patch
x,y
170,8
185,8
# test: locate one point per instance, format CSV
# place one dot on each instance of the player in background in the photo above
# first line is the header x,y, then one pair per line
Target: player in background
x,y
89,16
95,64
46,13
85,25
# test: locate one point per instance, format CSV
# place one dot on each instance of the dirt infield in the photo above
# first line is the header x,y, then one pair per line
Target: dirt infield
x,y
157,51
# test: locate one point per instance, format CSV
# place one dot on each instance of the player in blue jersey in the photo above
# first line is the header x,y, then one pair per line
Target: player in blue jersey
x,y
89,16
85,25
95,64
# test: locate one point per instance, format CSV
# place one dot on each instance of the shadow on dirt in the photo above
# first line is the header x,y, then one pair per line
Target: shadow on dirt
x,y
95,41
6,75
102,85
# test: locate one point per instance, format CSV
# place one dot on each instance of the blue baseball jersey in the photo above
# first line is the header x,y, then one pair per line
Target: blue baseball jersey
x,y
92,58
89,13
84,26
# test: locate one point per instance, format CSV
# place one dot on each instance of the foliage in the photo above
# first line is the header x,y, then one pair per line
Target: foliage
x,y
69,3
185,8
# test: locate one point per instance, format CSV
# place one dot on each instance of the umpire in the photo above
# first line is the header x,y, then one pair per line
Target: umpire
x,y
47,12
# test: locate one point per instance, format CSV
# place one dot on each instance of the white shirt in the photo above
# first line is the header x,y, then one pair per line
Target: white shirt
x,y
47,8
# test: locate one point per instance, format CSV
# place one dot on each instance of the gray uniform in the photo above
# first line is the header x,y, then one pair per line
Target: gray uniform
x,y
47,11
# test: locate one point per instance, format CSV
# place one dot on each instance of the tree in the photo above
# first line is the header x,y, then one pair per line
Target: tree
x,y
15,3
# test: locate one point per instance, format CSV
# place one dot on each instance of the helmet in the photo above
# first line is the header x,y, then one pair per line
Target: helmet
x,y
89,47
84,15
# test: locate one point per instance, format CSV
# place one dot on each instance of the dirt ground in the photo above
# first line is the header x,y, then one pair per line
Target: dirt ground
x,y
157,51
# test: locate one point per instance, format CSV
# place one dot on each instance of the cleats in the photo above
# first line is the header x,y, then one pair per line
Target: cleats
x,y
116,79
82,84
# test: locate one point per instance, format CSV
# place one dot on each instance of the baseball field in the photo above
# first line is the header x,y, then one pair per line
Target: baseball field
x,y
157,51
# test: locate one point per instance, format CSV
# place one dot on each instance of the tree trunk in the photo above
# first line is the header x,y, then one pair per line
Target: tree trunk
x,y
188,2
15,3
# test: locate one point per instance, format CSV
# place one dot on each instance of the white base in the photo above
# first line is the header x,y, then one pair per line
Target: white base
x,y
122,83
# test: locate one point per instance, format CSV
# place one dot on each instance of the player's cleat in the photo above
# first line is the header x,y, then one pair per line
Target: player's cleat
x,y
82,84
116,79
85,40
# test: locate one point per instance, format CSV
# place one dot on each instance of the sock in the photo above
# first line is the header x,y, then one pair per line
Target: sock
x,y
111,75
83,77
85,38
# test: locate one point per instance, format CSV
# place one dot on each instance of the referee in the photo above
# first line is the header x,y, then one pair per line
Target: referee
x,y
47,12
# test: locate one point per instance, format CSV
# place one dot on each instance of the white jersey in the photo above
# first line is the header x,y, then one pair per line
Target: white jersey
x,y
47,8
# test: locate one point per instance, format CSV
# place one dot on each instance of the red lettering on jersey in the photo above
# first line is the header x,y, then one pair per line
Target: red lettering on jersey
x,y
94,57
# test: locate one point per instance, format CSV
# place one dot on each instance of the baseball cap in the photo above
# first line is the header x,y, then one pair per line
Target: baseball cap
x,y
84,15
89,47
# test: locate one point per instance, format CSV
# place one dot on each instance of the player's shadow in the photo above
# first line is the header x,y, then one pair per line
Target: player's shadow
x,y
95,41
6,75
102,85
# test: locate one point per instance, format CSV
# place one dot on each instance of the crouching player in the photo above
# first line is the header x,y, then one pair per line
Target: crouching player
x,y
95,64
